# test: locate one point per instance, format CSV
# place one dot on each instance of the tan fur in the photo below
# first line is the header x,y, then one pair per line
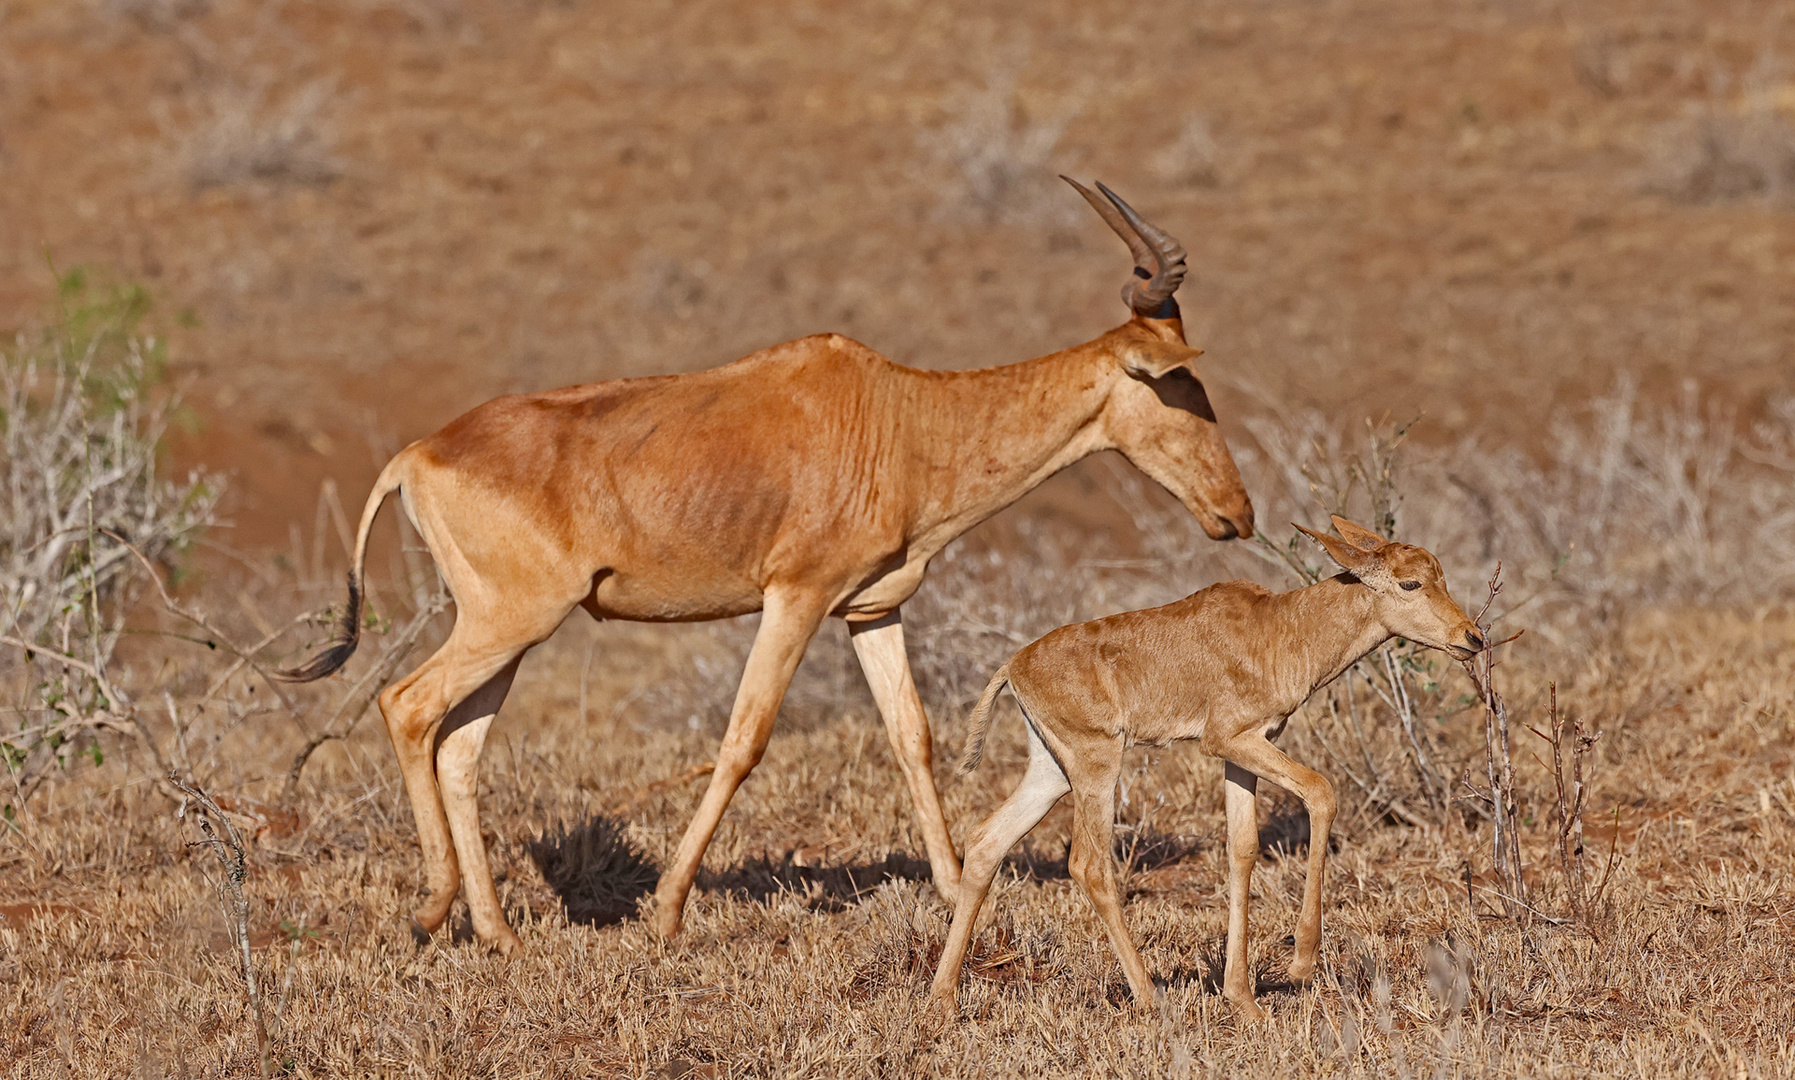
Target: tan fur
x,y
1224,667
810,479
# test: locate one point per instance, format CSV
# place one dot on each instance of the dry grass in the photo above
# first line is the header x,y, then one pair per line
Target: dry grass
x,y
813,934
814,931
1560,234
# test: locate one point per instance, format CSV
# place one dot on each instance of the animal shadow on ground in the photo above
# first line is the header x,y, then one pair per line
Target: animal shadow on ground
x,y
1269,974
1138,848
1286,831
593,868
826,888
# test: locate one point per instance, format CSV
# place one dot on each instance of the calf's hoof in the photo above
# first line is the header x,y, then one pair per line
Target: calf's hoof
x,y
430,916
1301,973
507,943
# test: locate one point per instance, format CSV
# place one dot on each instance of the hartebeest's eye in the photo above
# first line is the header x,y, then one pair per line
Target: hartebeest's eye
x,y
1409,586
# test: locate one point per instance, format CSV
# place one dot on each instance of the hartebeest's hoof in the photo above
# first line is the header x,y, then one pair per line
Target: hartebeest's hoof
x,y
509,944
1301,973
1247,1009
942,1009
668,920
419,935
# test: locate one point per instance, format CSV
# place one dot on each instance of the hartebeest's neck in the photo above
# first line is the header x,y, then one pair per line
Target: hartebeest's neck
x,y
990,436
1321,630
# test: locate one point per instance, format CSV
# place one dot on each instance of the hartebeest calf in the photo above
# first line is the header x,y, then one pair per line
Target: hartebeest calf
x,y
1225,666
810,479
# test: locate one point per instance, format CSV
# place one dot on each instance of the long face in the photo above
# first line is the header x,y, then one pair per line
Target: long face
x,y
1413,602
1164,425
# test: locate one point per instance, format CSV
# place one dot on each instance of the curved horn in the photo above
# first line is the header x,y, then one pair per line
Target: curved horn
x,y
1151,297
1143,255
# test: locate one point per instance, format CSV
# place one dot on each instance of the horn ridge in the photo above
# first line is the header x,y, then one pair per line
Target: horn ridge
x,y
1143,255
1148,298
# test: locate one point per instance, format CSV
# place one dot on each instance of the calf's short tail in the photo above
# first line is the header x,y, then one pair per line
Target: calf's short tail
x,y
980,721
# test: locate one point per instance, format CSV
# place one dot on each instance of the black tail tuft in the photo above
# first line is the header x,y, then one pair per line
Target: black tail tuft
x,y
341,647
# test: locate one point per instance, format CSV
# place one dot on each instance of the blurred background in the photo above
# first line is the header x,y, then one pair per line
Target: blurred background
x,y
358,218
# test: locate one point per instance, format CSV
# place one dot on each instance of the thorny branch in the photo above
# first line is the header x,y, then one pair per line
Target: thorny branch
x,y
232,861
355,703
1505,848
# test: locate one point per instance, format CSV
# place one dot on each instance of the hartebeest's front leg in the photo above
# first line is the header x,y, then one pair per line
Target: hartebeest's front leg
x,y
788,622
880,645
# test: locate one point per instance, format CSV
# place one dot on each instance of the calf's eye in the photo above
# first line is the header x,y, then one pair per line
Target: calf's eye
x,y
1409,586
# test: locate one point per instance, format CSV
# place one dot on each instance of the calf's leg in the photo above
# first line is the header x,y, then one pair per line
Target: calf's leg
x,y
1317,793
1092,862
1042,786
1243,855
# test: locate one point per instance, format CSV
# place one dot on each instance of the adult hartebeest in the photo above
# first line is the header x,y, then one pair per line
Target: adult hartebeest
x,y
1225,666
808,479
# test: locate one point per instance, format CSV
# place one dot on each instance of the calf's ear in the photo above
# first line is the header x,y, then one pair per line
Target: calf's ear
x,y
1357,535
1360,563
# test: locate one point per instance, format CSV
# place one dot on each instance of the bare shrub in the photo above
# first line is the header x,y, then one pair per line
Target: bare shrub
x,y
227,844
246,130
1738,144
154,15
996,155
82,417
1628,504
1718,156
1192,158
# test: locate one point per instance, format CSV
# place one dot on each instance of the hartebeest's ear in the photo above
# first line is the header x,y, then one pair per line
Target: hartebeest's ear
x,y
1360,563
1357,535
1152,359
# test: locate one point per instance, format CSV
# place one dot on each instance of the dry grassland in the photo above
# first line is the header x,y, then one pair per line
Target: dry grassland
x,y
1561,233
814,931
813,936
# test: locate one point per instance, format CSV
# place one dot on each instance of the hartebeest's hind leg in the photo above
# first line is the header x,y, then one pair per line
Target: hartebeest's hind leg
x,y
788,621
880,645
463,736
437,718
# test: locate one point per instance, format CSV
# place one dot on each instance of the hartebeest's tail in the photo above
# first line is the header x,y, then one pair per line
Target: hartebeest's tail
x,y
348,636
980,721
